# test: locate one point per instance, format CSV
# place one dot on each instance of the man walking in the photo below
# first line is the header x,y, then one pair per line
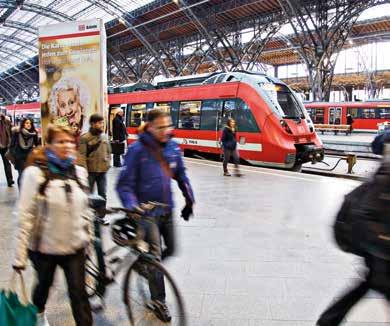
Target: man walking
x,y
5,141
96,153
151,163
119,136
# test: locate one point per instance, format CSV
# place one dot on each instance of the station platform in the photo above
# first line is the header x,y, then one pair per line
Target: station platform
x,y
354,143
259,251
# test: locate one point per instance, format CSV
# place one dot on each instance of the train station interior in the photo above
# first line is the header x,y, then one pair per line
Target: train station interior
x,y
303,87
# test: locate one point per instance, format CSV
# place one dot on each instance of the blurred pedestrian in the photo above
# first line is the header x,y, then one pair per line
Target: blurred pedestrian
x,y
119,136
55,227
229,146
95,150
5,142
363,228
151,163
350,122
24,139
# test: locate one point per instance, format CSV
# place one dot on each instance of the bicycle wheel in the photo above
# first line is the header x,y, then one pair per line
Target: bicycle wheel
x,y
136,294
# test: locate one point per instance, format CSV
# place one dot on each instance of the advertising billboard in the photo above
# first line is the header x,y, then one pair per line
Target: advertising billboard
x,y
72,73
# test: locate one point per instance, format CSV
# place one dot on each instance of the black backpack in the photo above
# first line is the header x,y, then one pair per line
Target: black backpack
x,y
362,225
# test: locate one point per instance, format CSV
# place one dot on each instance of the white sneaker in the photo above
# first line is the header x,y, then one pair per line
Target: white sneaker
x,y
42,320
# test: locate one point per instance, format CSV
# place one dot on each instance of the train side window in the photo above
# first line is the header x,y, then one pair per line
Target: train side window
x,y
368,114
137,114
189,115
229,111
166,107
384,113
316,115
354,112
245,120
210,110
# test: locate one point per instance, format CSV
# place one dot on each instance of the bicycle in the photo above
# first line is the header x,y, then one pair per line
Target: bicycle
x,y
103,267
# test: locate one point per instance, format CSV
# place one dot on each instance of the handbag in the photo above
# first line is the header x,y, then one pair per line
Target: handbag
x,y
9,156
117,147
14,312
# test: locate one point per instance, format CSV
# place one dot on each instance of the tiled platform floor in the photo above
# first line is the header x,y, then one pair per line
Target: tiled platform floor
x,y
258,252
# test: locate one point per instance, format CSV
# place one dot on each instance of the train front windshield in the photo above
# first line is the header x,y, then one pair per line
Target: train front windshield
x,y
281,96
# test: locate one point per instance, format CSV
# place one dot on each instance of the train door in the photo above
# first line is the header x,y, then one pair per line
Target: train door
x,y
335,114
226,110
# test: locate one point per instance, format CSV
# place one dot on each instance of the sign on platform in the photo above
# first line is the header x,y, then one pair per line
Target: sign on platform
x,y
72,73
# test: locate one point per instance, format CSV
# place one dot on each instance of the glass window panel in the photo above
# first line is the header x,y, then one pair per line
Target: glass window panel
x,y
210,110
189,115
384,113
244,118
137,115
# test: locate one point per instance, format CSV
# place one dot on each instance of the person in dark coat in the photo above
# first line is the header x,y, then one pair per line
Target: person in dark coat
x,y
24,139
372,229
229,145
150,165
5,141
119,136
350,122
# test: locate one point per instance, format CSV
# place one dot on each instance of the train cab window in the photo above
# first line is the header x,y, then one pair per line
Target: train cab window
x,y
210,111
245,120
189,115
137,114
210,80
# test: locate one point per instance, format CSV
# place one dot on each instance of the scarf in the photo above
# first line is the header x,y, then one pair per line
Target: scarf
x,y
95,132
26,138
57,165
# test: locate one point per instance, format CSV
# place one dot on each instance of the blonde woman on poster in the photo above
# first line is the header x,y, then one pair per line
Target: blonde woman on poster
x,y
69,100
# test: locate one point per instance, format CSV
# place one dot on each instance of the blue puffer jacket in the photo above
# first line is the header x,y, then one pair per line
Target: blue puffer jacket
x,y
142,178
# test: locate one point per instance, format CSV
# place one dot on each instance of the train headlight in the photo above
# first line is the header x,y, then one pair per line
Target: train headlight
x,y
285,126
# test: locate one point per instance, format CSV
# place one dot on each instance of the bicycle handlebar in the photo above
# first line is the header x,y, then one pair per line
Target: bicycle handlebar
x,y
141,210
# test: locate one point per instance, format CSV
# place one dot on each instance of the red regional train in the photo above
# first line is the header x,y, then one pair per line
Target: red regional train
x,y
273,127
366,115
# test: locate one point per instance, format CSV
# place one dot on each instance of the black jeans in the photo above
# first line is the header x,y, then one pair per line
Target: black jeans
x,y
378,278
227,155
153,231
101,183
74,270
7,166
117,160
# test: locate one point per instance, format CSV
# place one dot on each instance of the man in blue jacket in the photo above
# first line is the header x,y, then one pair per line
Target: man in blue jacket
x,y
150,164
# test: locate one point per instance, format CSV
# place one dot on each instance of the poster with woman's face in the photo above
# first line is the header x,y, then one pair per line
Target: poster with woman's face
x,y
72,73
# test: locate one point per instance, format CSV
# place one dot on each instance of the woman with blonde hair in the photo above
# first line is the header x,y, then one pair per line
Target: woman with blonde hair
x,y
54,227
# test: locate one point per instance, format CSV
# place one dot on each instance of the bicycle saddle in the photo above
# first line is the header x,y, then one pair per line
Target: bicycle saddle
x,y
96,202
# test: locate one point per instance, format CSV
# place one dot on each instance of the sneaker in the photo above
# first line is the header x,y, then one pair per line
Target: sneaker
x,y
42,320
103,220
160,309
227,174
238,174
